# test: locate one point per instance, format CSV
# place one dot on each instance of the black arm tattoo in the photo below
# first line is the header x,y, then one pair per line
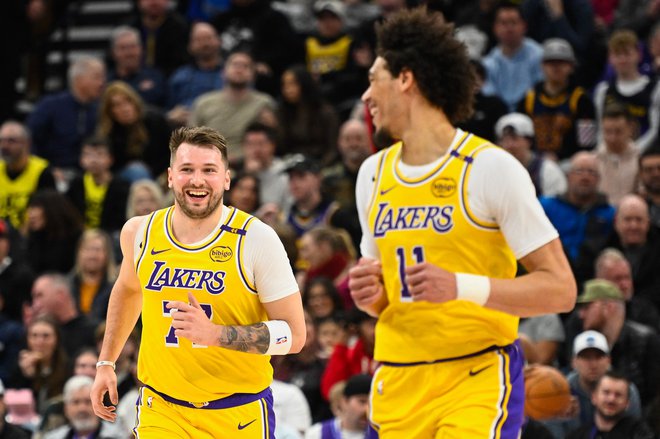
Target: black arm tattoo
x,y
253,339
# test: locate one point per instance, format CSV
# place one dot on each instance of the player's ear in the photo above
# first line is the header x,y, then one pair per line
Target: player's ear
x,y
406,78
227,179
169,177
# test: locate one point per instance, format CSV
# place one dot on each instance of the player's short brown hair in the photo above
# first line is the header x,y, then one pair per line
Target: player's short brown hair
x,y
204,137
420,41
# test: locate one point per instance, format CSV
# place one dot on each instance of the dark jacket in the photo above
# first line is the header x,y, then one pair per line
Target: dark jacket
x,y
636,354
59,124
626,428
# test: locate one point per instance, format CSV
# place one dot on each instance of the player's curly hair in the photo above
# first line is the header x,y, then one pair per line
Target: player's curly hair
x,y
421,41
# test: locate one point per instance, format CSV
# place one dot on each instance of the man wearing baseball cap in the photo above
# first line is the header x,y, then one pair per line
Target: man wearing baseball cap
x,y
634,348
591,360
515,133
350,421
563,114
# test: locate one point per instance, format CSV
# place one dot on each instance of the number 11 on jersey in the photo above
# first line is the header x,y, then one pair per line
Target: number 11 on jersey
x,y
418,255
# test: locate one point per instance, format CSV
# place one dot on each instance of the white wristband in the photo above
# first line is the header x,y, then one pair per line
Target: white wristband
x,y
280,337
106,363
472,287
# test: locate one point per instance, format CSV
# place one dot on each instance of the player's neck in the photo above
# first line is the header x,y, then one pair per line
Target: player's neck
x,y
191,230
428,136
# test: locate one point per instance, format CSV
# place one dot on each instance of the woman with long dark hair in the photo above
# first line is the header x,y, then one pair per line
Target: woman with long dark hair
x,y
53,229
308,124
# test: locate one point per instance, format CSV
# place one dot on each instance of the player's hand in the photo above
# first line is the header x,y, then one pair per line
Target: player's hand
x,y
365,281
430,283
105,382
190,321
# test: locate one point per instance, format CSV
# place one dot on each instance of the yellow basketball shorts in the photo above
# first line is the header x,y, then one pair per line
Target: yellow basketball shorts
x,y
238,416
473,397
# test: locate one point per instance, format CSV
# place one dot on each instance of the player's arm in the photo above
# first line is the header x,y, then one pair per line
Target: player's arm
x,y
366,277
502,192
283,333
123,311
549,286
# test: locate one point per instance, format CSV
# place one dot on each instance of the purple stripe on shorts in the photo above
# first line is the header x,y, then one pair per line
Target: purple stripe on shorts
x,y
516,404
231,401
271,414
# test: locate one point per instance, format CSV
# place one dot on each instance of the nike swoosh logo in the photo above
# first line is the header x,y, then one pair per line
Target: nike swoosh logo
x,y
383,192
157,252
477,372
240,427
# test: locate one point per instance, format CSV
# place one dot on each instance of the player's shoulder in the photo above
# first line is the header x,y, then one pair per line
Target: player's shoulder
x,y
134,224
491,154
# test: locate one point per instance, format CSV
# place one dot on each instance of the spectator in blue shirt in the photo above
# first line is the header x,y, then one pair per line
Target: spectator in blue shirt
x,y
204,74
582,215
514,65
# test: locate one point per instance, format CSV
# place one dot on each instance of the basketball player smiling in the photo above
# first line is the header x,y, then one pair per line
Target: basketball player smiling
x,y
444,216
215,306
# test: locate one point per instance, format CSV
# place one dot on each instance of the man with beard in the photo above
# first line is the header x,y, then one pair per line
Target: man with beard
x,y
217,298
21,173
233,108
611,399
202,75
445,215
82,423
649,176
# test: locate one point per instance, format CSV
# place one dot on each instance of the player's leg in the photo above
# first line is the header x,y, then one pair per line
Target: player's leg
x,y
157,418
400,401
488,398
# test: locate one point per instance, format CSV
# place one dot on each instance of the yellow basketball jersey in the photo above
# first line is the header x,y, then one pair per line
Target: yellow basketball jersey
x,y
429,219
15,194
326,58
94,198
214,273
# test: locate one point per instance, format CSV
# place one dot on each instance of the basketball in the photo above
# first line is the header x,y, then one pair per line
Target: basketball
x,y
547,393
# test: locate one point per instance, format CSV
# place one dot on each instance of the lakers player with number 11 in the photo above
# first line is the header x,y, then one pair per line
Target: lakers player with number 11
x,y
444,216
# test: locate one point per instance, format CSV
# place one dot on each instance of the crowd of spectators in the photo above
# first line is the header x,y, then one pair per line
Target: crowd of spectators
x,y
568,87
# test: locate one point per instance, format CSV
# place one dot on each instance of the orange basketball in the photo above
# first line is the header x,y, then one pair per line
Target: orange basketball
x,y
547,393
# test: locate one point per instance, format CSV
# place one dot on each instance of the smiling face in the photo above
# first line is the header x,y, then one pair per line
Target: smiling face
x,y
611,398
382,98
199,178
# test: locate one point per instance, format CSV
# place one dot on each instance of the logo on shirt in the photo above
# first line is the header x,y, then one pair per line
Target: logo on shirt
x,y
221,253
186,278
438,218
155,252
443,187
384,191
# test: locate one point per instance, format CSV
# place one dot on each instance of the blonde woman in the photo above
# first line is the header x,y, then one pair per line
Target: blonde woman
x,y
138,134
144,197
